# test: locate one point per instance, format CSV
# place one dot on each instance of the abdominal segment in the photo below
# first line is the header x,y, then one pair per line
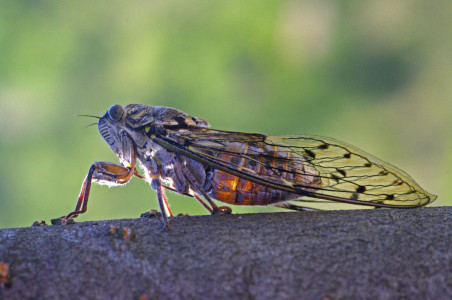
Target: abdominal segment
x,y
269,163
234,190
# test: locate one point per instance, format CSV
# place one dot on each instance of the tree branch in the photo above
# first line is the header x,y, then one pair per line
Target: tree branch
x,y
338,254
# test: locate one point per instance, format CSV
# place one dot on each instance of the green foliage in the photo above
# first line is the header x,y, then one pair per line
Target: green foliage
x,y
373,73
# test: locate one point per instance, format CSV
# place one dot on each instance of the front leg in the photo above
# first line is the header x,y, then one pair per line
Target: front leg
x,y
103,173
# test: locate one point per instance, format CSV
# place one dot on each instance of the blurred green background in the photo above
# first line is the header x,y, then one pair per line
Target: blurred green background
x,y
374,73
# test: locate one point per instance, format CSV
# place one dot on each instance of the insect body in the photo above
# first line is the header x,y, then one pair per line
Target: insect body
x,y
181,153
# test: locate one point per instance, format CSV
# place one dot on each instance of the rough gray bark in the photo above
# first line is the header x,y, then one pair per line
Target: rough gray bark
x,y
373,254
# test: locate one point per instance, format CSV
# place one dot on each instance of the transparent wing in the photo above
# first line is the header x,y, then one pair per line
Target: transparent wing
x,y
311,166
350,173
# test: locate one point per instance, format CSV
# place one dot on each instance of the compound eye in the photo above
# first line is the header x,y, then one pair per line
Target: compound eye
x,y
115,112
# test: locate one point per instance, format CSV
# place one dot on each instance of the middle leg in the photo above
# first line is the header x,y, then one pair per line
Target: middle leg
x,y
197,187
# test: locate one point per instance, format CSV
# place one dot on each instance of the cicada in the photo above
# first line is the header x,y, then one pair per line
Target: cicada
x,y
181,153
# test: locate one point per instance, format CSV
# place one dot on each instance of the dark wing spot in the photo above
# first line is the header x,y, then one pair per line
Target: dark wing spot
x,y
347,155
390,197
361,189
335,177
368,165
309,153
342,172
323,146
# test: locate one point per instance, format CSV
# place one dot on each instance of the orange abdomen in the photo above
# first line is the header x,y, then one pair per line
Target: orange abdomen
x,y
264,162
234,190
